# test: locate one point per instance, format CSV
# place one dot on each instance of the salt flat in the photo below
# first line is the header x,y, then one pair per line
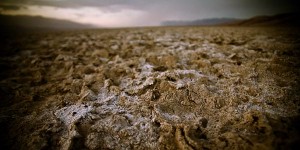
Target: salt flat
x,y
151,88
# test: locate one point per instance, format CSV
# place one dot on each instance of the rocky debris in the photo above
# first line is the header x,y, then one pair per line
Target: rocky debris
x,y
160,88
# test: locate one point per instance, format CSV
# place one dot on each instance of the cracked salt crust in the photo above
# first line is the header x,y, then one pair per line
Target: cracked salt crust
x,y
209,76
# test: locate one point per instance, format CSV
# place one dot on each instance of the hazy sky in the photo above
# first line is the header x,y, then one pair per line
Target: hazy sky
x,y
122,13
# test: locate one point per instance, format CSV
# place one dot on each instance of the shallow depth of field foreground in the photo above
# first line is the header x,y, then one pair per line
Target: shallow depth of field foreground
x,y
151,88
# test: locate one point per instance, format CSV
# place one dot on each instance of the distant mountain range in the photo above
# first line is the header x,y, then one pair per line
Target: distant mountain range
x,y
36,23
288,19
200,22
32,23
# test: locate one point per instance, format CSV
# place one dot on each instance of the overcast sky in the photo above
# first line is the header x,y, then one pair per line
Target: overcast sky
x,y
124,13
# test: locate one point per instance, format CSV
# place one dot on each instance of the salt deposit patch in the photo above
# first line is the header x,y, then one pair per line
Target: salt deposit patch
x,y
71,114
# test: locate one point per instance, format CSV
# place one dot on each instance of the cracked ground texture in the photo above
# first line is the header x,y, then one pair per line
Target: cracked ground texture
x,y
151,88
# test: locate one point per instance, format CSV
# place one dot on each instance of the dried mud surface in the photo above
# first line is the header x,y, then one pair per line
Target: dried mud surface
x,y
151,88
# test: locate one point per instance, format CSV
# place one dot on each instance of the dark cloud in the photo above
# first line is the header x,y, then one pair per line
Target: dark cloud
x,y
80,3
278,3
211,6
161,10
10,7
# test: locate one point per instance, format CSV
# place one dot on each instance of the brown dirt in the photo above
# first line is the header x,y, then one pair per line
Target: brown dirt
x,y
151,88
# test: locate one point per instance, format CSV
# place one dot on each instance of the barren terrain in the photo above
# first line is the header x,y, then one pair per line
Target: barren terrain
x,y
151,88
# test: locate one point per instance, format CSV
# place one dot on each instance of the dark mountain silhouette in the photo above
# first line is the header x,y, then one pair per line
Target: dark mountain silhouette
x,y
201,22
36,23
288,19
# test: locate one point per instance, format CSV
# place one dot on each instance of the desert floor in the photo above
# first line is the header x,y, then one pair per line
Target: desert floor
x,y
151,88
